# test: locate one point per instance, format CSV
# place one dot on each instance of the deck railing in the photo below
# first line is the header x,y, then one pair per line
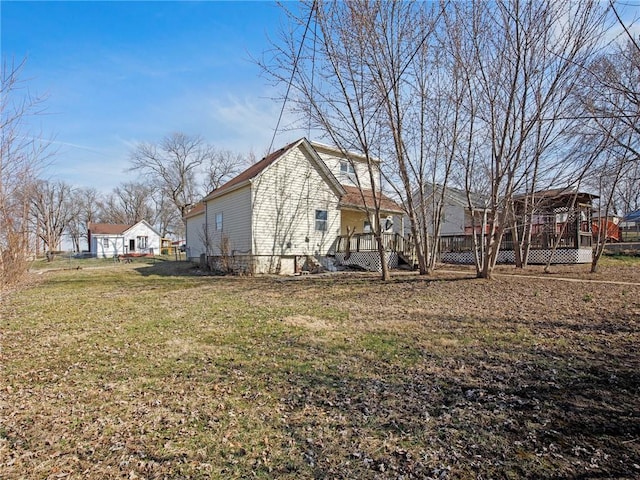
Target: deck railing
x,y
366,242
570,239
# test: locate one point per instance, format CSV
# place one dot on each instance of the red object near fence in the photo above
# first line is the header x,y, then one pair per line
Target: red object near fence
x,y
614,232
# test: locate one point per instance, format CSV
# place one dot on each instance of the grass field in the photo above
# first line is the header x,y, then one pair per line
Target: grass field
x,y
151,370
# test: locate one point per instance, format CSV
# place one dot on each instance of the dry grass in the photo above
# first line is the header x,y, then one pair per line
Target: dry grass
x,y
150,371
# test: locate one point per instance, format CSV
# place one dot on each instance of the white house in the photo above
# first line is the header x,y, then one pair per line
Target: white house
x,y
110,240
292,208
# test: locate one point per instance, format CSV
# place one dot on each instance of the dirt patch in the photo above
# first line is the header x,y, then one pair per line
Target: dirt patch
x,y
612,268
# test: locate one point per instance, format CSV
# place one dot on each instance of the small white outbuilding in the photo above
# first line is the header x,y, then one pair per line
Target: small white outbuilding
x,y
108,240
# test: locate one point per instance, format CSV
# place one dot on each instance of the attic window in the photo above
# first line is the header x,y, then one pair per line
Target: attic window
x,y
346,168
321,220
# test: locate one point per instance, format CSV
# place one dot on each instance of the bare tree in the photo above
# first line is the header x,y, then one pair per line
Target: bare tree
x,y
403,62
221,166
611,101
440,127
627,190
175,165
505,68
171,166
51,210
21,155
85,204
524,59
613,166
129,203
340,86
166,218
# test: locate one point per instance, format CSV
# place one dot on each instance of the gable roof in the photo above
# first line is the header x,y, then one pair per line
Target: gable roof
x,y
249,173
108,228
256,169
459,196
354,198
116,228
149,226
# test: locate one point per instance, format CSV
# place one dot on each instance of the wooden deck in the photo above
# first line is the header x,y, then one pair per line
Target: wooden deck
x,y
366,242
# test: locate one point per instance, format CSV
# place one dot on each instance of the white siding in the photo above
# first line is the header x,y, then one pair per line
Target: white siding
x,y
333,159
285,199
141,229
195,237
235,208
115,246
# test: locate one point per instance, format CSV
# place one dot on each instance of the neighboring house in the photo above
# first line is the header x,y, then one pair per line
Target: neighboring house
x,y
110,240
456,224
456,214
630,226
291,210
561,218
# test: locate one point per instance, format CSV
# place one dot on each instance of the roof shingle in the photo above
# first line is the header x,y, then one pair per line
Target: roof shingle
x,y
354,198
108,228
250,172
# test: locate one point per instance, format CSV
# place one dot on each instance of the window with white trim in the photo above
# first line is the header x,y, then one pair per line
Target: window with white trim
x,y
346,168
143,242
218,224
321,220
105,242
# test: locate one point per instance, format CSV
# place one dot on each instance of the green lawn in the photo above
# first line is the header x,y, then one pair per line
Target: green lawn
x,y
149,370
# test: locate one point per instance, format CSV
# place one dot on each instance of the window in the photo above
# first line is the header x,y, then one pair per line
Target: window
x,y
219,222
346,168
142,242
321,220
105,242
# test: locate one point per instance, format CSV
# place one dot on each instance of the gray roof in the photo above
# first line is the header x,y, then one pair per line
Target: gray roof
x,y
457,195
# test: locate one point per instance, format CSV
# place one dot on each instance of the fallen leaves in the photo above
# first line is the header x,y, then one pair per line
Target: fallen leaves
x,y
325,377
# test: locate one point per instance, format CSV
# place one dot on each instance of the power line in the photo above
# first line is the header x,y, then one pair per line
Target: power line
x,y
293,72
589,117
401,73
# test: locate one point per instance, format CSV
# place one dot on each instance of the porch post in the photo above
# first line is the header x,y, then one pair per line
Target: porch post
x,y
578,227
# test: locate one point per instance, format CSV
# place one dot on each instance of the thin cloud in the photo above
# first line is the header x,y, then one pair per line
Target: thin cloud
x,y
251,120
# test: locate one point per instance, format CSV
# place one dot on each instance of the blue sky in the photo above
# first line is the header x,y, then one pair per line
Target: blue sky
x,y
118,73
121,72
